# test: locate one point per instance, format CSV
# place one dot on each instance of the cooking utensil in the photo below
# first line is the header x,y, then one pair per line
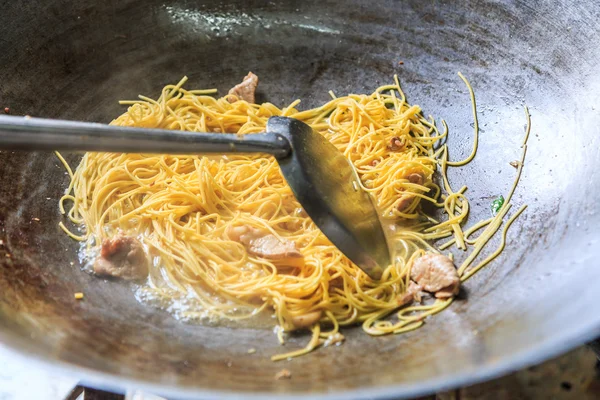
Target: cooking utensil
x,y
322,179
74,59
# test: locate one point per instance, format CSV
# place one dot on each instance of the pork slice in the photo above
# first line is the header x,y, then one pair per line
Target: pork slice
x,y
396,144
245,90
122,257
405,202
306,320
415,290
436,273
265,245
416,178
413,293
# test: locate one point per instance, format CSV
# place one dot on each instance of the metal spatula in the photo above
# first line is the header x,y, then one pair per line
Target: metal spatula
x,y
322,179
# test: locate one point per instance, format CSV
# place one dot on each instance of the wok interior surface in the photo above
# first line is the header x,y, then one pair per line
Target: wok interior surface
x,y
74,60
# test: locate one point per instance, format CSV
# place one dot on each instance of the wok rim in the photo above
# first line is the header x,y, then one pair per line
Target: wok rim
x,y
553,347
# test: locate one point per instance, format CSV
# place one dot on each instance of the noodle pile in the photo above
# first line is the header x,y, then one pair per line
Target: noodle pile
x,y
181,207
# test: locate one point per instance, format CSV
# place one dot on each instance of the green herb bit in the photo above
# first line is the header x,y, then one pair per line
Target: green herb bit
x,y
497,205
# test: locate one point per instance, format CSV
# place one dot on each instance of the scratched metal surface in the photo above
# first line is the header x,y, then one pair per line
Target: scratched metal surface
x,y
75,59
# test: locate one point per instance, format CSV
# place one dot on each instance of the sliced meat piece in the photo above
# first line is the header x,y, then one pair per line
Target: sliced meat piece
x,y
448,292
396,144
416,178
405,202
266,245
336,283
271,247
436,273
306,320
415,290
405,298
244,90
122,257
413,293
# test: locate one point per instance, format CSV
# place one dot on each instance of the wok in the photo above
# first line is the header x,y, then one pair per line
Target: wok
x,y
73,60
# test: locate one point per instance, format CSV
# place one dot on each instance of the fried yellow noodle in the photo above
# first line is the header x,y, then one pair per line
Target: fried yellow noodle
x,y
182,206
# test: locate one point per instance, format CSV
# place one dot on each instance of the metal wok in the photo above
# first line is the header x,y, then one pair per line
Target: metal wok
x,y
73,60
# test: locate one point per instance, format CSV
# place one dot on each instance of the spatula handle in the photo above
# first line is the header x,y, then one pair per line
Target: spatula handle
x,y
39,134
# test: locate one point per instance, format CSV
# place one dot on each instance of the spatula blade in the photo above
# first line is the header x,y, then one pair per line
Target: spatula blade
x,y
326,184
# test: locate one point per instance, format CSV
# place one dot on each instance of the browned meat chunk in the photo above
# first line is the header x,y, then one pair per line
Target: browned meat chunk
x,y
122,257
415,290
266,245
436,273
413,293
396,144
244,90
405,202
405,298
416,178
306,320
